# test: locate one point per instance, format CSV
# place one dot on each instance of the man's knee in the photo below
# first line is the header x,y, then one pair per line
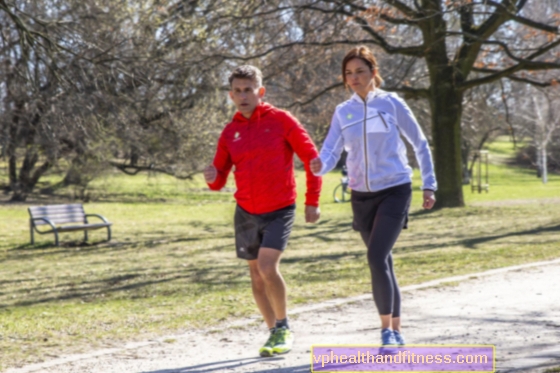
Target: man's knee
x,y
268,270
268,263
258,284
256,278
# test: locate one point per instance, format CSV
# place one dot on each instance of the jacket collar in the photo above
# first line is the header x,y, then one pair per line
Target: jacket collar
x,y
260,110
371,95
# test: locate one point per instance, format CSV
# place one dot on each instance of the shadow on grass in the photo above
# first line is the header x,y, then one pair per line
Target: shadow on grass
x,y
322,231
471,243
73,247
422,212
197,276
146,279
358,254
190,280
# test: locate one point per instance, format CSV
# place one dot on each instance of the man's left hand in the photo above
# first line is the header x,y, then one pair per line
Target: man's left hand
x,y
312,214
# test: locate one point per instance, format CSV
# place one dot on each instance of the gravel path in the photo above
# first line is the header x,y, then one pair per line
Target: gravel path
x,y
516,308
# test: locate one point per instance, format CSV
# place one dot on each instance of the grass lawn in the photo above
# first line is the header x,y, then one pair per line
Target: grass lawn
x,y
171,265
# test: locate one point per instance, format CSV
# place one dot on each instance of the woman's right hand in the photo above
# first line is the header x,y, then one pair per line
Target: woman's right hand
x,y
316,165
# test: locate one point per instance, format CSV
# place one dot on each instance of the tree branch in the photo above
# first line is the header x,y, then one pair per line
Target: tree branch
x,y
543,50
526,65
473,39
540,51
404,8
410,51
134,170
315,96
410,92
498,18
517,79
525,21
414,51
398,21
508,121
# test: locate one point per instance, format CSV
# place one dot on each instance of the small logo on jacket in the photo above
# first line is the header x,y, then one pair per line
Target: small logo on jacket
x,y
349,116
236,136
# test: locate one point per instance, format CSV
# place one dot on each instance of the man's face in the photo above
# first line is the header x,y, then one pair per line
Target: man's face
x,y
245,95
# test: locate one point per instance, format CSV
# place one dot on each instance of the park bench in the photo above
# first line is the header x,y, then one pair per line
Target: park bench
x,y
58,217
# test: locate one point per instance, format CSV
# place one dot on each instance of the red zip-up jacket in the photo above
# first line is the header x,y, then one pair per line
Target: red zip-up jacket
x,y
261,149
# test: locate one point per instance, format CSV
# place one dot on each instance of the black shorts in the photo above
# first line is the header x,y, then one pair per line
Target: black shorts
x,y
366,205
253,231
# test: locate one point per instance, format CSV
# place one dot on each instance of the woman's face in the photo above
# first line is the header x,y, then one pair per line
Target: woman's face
x,y
359,76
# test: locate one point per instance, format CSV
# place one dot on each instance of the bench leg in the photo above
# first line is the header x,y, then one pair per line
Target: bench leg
x,y
109,233
56,237
85,236
31,233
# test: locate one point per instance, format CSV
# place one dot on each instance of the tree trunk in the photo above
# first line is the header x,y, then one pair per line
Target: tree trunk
x,y
446,104
12,170
28,176
544,165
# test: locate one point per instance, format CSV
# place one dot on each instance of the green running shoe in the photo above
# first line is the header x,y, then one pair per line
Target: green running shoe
x,y
267,349
284,341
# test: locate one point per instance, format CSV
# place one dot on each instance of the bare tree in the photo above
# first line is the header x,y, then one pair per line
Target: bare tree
x,y
460,44
539,120
103,84
485,116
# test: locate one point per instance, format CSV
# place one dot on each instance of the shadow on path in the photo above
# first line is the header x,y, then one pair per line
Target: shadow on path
x,y
220,366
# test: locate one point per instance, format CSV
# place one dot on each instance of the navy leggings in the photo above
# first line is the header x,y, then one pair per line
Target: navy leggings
x,y
380,217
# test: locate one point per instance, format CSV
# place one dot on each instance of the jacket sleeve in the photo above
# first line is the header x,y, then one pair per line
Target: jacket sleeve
x,y
332,147
411,130
303,146
223,164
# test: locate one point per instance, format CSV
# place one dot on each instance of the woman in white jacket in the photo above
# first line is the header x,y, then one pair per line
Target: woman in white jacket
x,y
369,127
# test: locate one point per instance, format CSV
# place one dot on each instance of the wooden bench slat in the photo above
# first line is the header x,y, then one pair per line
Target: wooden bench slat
x,y
85,227
47,207
61,219
58,213
46,210
69,228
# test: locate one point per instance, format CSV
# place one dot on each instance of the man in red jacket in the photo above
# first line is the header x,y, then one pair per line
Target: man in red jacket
x,y
260,142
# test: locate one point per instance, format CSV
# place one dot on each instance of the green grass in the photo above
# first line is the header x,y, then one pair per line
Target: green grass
x,y
171,265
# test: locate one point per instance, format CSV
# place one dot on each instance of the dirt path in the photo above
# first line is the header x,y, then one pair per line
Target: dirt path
x,y
517,309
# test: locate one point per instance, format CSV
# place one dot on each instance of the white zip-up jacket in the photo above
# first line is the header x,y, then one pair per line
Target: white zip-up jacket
x,y
370,132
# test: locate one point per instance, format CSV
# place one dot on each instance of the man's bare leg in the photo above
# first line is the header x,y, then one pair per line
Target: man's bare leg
x,y
268,266
260,295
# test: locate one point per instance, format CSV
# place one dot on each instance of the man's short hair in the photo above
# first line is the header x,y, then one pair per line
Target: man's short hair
x,y
247,72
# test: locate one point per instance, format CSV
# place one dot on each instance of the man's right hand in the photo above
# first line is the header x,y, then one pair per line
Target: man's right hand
x,y
316,165
210,174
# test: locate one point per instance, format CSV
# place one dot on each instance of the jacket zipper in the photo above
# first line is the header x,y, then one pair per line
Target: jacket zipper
x,y
365,145
252,175
383,120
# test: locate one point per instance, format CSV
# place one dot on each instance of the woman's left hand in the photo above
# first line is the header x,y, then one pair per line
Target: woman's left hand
x,y
429,199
